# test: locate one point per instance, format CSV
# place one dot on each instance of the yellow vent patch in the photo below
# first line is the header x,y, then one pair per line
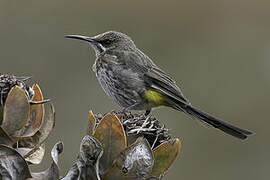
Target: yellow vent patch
x,y
154,97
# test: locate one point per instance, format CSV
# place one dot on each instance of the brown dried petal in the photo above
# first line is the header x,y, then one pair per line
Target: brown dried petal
x,y
91,124
164,155
48,124
36,115
111,135
16,111
40,137
5,138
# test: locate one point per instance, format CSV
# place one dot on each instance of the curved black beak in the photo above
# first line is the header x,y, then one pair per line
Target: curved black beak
x,y
80,37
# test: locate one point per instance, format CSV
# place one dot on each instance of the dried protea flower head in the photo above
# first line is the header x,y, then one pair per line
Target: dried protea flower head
x,y
24,128
134,147
136,125
22,111
9,81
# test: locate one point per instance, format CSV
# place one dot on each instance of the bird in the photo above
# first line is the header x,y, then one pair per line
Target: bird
x,y
132,80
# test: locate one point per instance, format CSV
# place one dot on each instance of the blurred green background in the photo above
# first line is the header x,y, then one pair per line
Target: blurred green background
x,y
218,52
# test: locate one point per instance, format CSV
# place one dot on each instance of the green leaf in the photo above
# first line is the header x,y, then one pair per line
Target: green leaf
x,y
164,155
111,135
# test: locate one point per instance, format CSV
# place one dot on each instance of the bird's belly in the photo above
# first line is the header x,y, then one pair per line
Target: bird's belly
x,y
117,90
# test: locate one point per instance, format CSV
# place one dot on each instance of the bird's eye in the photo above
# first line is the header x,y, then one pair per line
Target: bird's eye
x,y
107,41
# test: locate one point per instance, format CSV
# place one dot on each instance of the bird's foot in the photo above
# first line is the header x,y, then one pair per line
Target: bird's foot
x,y
147,112
125,111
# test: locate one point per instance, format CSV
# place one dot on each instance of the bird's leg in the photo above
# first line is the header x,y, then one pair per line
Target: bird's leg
x,y
147,112
124,110
130,107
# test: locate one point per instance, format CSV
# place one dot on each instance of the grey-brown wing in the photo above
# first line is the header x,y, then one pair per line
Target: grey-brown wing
x,y
153,75
162,82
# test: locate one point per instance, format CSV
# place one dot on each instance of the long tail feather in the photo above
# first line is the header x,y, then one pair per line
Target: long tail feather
x,y
214,122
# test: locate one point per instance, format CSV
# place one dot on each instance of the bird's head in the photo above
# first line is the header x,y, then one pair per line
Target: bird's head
x,y
111,40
